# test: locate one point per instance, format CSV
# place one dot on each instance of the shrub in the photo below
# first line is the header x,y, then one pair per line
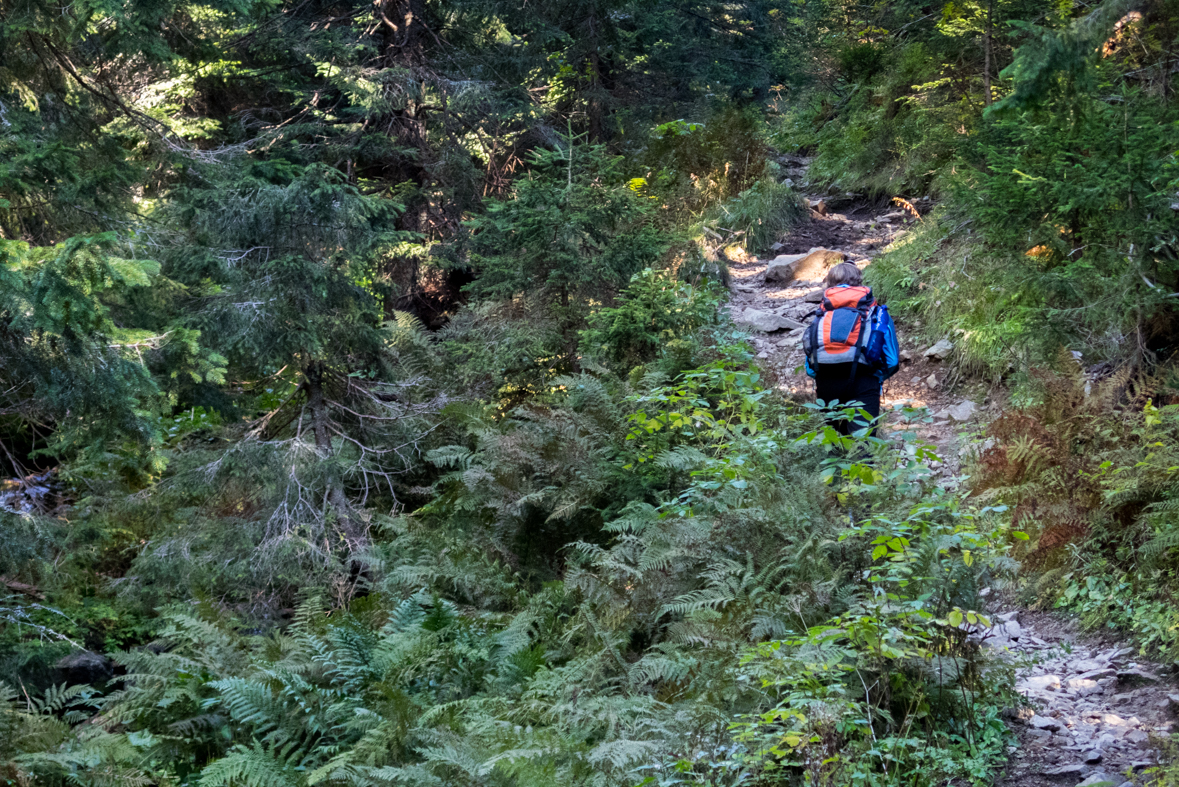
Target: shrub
x,y
652,312
759,215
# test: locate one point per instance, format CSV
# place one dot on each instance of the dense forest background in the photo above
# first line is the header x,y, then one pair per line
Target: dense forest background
x,y
372,416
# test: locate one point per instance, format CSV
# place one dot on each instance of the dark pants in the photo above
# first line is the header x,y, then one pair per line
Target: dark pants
x,y
835,383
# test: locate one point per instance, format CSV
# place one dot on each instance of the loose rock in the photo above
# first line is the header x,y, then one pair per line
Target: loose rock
x,y
1097,674
1045,723
1097,778
765,322
1132,674
1040,683
940,351
963,411
1072,769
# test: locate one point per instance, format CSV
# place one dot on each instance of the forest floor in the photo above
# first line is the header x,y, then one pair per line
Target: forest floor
x,y
1093,713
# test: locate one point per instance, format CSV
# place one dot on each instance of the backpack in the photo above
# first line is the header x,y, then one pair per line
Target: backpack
x,y
846,329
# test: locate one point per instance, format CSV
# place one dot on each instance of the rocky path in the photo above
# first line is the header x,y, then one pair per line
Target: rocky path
x,y
1092,713
775,298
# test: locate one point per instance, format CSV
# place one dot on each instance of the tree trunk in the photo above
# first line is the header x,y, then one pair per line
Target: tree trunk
x,y
594,105
987,45
404,31
352,530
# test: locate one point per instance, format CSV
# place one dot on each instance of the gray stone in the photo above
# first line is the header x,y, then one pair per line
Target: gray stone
x,y
1083,688
1045,723
800,311
1072,769
1114,654
765,322
906,356
931,382
1038,734
1097,674
802,267
814,296
1136,737
940,351
1095,779
1039,683
1132,674
961,411
1092,757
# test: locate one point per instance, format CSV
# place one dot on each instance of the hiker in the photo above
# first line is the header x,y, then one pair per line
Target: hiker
x,y
851,346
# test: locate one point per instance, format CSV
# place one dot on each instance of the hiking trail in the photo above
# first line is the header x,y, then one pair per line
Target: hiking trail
x,y
1093,709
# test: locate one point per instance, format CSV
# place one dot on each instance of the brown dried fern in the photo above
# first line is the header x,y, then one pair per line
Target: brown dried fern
x,y
908,206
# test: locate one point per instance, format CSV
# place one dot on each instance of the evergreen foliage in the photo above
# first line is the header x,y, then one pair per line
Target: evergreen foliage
x,y
374,358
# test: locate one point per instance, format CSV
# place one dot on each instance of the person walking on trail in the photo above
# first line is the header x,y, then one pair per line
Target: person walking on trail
x,y
851,346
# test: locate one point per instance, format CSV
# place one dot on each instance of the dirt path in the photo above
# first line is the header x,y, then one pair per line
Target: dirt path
x,y
1093,712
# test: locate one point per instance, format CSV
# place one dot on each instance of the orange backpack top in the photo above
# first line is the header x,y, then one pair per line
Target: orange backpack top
x,y
842,328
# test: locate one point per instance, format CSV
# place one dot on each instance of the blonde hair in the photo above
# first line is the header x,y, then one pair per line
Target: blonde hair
x,y
844,273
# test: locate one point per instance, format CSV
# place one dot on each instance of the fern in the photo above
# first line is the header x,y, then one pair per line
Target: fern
x,y
252,766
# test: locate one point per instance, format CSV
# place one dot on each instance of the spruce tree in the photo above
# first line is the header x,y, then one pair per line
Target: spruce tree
x,y
293,252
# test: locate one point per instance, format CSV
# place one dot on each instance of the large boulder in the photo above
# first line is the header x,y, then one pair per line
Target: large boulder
x,y
84,667
766,322
812,266
780,268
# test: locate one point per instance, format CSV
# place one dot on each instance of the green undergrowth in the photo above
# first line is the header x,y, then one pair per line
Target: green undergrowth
x,y
651,573
401,437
